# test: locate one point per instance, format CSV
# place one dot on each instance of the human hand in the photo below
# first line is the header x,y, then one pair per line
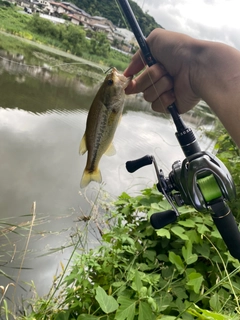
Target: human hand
x,y
170,79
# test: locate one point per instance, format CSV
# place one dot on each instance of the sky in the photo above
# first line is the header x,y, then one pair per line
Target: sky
x,y
216,20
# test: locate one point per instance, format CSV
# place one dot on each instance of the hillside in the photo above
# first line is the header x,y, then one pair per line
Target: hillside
x,y
110,10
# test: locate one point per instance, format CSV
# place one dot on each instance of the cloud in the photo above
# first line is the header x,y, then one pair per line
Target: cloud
x,y
216,20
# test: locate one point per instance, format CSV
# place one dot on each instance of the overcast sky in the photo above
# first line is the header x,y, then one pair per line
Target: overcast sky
x,y
217,20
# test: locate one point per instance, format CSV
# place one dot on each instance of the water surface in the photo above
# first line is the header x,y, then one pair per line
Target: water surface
x,y
42,121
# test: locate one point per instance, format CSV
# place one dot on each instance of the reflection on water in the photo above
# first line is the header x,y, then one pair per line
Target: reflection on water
x,y
42,120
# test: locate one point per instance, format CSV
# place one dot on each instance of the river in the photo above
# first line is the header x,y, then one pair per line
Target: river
x,y
42,120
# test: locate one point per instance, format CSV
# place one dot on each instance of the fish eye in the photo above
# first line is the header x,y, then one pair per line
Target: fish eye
x,y
110,82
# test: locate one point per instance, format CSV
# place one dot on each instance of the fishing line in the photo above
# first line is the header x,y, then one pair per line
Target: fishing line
x,y
81,63
149,61
110,68
165,115
122,15
54,66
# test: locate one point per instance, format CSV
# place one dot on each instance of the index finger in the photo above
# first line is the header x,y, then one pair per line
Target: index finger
x,y
137,64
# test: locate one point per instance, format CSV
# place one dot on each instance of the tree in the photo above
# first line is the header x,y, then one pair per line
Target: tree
x,y
109,10
99,44
115,43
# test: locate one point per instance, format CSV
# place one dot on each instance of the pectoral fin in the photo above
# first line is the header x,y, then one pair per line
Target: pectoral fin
x,y
111,151
83,146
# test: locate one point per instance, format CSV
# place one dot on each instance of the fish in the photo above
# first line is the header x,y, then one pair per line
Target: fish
x,y
102,121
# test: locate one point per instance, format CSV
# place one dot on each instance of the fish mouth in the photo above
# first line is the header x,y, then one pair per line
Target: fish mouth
x,y
127,81
124,80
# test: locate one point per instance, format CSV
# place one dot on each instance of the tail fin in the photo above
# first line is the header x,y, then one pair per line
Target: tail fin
x,y
88,177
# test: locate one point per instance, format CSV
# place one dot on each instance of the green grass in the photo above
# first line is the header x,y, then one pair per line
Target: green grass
x,y
18,24
12,21
180,272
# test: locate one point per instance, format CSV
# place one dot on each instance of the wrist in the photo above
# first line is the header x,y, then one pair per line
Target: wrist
x,y
215,78
214,70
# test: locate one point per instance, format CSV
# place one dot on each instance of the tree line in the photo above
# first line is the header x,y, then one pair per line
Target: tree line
x,y
108,9
71,38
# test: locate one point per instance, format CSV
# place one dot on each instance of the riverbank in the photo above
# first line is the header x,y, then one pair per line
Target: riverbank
x,y
53,50
68,41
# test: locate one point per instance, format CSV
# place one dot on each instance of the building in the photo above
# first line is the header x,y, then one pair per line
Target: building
x,y
54,11
59,8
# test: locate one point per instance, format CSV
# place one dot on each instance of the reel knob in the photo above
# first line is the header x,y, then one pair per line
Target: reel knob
x,y
160,219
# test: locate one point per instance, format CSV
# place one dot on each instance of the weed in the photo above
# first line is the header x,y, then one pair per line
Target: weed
x,y
182,271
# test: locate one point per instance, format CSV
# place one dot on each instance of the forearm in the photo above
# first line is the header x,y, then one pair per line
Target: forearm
x,y
189,70
215,77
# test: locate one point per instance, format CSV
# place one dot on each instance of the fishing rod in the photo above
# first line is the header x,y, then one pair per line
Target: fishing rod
x,y
200,180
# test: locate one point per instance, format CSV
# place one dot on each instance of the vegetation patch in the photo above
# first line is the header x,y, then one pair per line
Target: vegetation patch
x,y
67,37
182,271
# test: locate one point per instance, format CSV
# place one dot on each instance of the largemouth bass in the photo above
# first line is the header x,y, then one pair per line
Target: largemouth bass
x,y
103,118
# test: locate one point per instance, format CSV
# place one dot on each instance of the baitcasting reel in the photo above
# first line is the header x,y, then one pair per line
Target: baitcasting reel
x,y
202,181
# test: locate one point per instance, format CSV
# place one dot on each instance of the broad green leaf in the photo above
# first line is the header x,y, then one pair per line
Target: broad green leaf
x,y
155,206
164,301
216,234
164,233
63,316
187,223
180,292
125,238
118,284
177,261
107,303
137,281
164,205
87,317
202,228
216,316
189,257
124,196
126,309
203,249
193,236
180,232
145,311
206,314
195,281
162,257
215,302
150,254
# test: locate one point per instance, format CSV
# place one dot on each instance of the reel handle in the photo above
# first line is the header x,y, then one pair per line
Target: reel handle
x,y
160,219
134,165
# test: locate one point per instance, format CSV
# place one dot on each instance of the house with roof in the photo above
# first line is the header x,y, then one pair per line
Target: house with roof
x,y
96,20
58,7
101,24
81,18
105,29
78,16
72,7
127,35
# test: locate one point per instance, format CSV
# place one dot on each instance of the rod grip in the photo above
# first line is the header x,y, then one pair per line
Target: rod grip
x,y
227,227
